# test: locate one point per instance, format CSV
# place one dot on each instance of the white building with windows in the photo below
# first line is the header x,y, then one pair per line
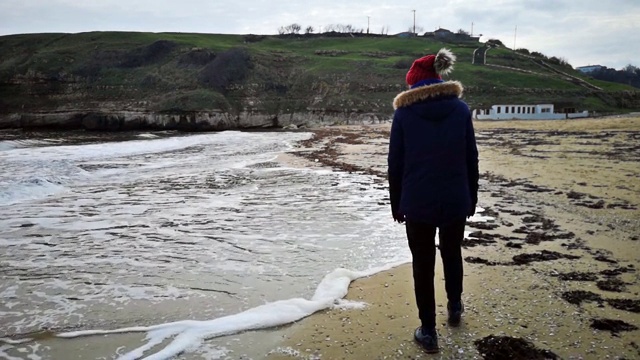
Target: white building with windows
x,y
525,112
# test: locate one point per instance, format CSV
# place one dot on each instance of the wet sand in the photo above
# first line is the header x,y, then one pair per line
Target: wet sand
x,y
558,269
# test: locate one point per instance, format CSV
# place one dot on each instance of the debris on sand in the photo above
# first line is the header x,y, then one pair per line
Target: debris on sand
x,y
479,238
482,225
478,260
523,259
616,271
471,242
543,255
606,259
612,284
592,205
535,238
615,326
513,245
625,304
575,195
509,348
576,297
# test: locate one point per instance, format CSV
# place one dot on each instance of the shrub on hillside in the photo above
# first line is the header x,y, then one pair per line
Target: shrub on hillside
x,y
229,67
196,57
494,43
559,61
149,54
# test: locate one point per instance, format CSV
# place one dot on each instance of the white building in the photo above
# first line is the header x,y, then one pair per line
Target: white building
x,y
524,112
589,69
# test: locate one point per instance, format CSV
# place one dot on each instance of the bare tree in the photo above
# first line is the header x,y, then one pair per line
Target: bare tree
x,y
345,28
308,30
463,32
419,29
295,28
289,29
632,69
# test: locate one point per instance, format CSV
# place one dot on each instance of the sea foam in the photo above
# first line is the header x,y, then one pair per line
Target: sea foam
x,y
188,334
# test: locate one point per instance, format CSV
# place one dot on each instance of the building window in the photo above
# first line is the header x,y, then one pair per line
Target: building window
x,y
506,110
513,109
498,109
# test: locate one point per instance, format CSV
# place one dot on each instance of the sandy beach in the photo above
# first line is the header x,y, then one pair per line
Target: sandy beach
x,y
555,274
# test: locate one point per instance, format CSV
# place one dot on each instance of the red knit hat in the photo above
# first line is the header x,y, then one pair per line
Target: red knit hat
x,y
431,67
422,69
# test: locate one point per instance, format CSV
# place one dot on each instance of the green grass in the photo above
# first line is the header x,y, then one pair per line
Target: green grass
x,y
285,71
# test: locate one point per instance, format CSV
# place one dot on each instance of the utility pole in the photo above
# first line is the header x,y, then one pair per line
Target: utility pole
x,y
472,28
414,21
368,24
515,32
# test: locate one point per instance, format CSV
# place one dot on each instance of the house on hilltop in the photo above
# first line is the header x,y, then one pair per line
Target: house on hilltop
x,y
449,36
405,34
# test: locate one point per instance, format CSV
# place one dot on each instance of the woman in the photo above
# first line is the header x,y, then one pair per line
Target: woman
x,y
433,182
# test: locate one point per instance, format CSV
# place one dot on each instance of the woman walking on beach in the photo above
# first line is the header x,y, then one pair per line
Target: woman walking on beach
x,y
433,182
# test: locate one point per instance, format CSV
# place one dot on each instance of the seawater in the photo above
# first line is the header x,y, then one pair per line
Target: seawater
x,y
103,232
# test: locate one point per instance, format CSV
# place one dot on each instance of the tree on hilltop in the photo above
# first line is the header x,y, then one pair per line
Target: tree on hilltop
x,y
629,75
289,29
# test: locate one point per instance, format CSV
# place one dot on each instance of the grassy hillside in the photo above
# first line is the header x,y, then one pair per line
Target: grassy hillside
x,y
173,72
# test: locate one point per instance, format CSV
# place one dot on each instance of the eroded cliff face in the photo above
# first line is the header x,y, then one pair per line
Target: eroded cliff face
x,y
184,121
64,101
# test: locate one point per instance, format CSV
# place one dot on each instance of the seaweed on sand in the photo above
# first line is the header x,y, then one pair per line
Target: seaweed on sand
x,y
510,348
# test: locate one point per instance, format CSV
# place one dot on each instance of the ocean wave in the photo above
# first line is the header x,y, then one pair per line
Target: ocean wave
x,y
32,188
148,136
6,145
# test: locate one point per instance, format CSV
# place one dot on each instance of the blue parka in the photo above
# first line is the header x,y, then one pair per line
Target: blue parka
x,y
433,158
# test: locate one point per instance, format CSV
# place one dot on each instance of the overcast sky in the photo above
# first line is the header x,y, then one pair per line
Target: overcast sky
x,y
583,32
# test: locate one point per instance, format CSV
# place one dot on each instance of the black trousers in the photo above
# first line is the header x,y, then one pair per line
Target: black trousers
x,y
423,250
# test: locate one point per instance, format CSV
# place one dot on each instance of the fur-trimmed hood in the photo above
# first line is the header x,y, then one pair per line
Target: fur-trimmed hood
x,y
412,96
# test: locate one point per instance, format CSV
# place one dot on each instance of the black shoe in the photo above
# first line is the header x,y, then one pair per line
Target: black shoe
x,y
428,339
455,310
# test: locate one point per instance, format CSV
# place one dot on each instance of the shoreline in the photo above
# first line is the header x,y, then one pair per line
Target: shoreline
x,y
553,242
